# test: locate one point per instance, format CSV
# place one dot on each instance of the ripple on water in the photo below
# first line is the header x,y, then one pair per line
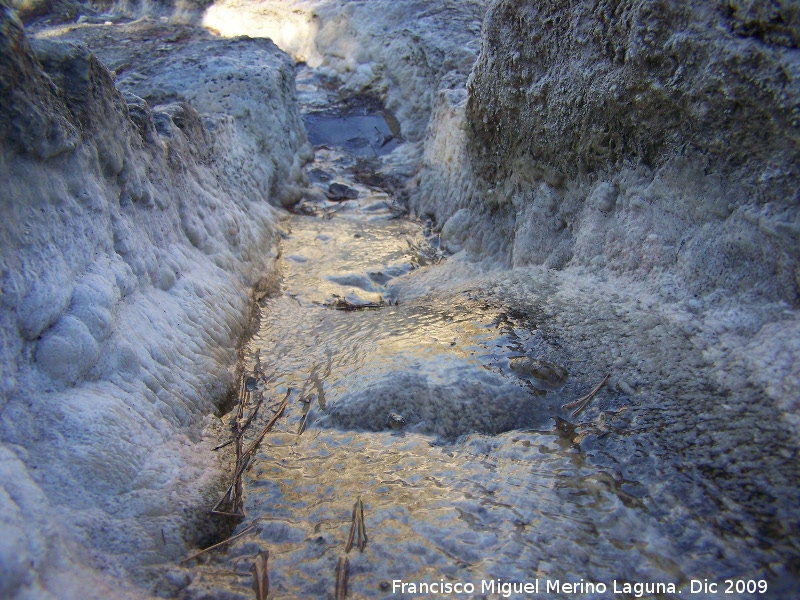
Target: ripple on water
x,y
484,507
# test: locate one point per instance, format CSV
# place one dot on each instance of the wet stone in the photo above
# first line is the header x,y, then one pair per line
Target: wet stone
x,y
339,192
362,132
540,373
395,421
319,175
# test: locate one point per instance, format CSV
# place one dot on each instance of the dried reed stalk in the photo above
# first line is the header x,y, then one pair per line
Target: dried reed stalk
x,y
233,495
268,426
302,427
342,571
584,401
358,530
245,531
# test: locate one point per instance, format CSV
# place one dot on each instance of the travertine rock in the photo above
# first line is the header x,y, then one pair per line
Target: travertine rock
x,y
654,139
579,87
132,231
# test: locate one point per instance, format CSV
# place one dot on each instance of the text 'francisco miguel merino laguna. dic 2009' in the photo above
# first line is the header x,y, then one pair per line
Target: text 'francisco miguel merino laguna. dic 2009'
x,y
507,589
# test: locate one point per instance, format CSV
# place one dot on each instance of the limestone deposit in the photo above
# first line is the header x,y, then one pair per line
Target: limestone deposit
x,y
616,189
133,231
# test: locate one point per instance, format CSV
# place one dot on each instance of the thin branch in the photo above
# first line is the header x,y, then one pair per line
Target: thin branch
x,y
247,529
268,426
233,495
358,530
362,528
226,499
243,393
253,413
342,571
351,538
342,304
302,426
584,401
228,443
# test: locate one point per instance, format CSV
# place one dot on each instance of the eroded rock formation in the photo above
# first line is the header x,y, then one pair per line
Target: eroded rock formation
x,y
647,138
132,232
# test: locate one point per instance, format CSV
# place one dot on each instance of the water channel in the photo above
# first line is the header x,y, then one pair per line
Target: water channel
x,y
427,409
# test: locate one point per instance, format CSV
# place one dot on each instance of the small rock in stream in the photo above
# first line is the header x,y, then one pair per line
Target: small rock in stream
x,y
543,374
339,192
395,421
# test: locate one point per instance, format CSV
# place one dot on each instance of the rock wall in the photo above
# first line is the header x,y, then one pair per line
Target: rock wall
x,y
64,11
132,234
650,139
643,157
650,144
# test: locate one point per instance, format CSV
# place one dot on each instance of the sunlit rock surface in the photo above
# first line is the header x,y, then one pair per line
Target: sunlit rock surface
x,y
400,51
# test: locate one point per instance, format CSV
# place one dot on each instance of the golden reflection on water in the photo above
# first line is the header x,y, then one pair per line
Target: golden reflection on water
x,y
482,508
312,340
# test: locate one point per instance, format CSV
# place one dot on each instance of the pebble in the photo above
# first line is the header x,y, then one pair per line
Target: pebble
x,y
549,375
395,421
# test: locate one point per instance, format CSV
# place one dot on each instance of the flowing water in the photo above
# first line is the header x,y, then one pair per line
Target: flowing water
x,y
430,403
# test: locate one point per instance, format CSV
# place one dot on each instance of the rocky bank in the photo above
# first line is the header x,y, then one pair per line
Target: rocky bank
x,y
133,232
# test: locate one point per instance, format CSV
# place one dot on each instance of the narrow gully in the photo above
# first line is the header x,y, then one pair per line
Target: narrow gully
x,y
423,437
378,389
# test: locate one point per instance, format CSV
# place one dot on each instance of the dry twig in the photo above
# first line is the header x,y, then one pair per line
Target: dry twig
x,y
342,570
351,538
358,530
342,304
252,414
362,528
268,426
233,495
302,426
223,444
584,401
222,543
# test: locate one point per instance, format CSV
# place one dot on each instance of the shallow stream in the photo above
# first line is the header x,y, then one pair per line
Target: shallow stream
x,y
424,398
